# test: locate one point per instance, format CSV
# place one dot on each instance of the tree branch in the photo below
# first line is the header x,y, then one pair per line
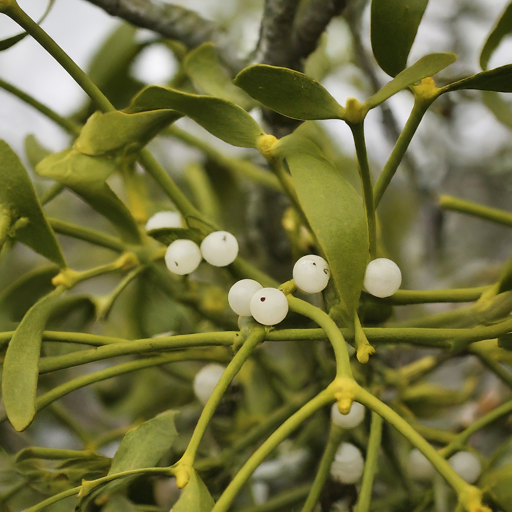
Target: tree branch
x,y
173,22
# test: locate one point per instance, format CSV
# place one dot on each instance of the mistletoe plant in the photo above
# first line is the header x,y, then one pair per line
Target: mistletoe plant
x,y
257,392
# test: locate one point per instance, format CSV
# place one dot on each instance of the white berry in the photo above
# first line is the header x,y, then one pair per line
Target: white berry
x,y
269,306
382,278
419,466
311,273
205,381
182,257
240,295
164,220
348,464
350,420
219,248
466,465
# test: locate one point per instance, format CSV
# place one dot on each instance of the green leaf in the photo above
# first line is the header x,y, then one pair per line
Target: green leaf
x,y
194,497
336,215
288,92
394,24
9,42
144,445
426,66
498,80
21,371
117,131
18,196
225,120
499,107
501,30
22,294
118,503
204,68
497,484
168,235
85,176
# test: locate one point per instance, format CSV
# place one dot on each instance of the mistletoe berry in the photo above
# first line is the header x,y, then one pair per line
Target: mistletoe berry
x,y
240,295
182,257
219,248
350,420
205,381
348,464
269,306
311,273
382,278
466,465
419,466
164,220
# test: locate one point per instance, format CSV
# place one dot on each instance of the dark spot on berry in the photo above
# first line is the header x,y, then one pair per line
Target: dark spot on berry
x,y
326,272
224,238
176,263
314,263
263,299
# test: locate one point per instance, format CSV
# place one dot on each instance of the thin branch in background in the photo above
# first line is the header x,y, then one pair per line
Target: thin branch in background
x,y
173,22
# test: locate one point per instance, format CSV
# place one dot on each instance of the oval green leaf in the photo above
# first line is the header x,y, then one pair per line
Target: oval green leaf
x,y
497,80
502,29
394,24
195,497
21,365
204,68
167,236
288,92
221,118
18,196
117,131
499,107
426,66
85,176
336,215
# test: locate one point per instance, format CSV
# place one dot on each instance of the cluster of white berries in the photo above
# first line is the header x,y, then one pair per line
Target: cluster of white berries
x,y
465,464
269,306
183,256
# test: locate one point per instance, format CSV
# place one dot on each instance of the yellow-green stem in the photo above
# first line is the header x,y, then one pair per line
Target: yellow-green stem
x,y
366,184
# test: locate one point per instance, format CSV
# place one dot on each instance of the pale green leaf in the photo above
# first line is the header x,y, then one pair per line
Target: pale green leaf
x,y
194,497
168,235
17,195
394,24
499,107
288,92
21,370
425,67
225,120
502,29
336,215
204,68
498,80
35,151
85,176
144,445
118,131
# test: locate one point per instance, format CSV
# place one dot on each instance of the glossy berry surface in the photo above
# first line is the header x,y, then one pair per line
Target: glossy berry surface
x,y
219,248
350,420
348,464
182,257
205,381
240,295
383,277
311,273
164,220
269,306
466,465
